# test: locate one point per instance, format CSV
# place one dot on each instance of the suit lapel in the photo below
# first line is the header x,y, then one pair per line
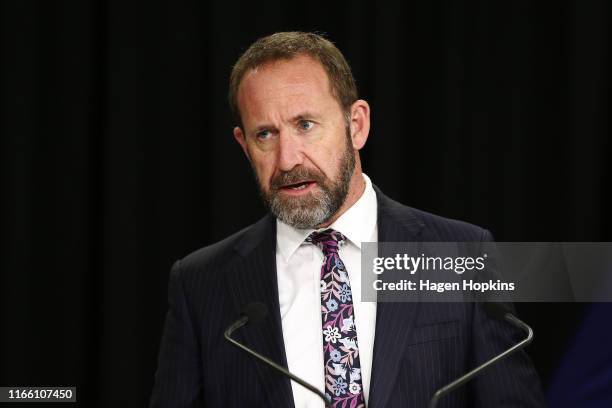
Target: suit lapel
x,y
253,279
394,321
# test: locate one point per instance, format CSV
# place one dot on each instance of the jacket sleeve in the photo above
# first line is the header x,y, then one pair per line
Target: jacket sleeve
x,y
178,380
511,382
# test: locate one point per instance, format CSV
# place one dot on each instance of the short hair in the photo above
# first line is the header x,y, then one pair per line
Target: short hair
x,y
287,45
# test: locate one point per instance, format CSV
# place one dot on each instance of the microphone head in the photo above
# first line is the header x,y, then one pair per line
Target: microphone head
x,y
256,312
496,310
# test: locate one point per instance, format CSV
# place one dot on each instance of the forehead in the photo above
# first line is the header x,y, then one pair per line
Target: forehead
x,y
285,85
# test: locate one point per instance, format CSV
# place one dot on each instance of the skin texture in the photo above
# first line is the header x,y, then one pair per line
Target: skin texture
x,y
295,131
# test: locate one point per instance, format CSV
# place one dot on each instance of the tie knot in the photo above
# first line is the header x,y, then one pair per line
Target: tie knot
x,y
328,240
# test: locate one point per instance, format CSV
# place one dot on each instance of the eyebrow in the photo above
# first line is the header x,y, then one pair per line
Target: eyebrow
x,y
303,115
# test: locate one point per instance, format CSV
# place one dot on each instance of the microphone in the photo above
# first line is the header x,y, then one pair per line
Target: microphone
x,y
500,312
255,313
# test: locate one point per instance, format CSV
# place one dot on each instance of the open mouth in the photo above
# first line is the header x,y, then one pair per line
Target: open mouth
x,y
302,185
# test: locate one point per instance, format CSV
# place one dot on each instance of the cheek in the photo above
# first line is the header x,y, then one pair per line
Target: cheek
x,y
264,166
325,161
326,156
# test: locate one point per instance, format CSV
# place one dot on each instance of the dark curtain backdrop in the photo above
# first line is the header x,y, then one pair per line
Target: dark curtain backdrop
x,y
117,154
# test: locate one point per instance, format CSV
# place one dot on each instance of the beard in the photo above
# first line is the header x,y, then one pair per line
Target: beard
x,y
318,206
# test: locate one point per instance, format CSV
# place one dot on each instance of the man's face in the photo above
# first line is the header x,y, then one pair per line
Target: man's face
x,y
297,139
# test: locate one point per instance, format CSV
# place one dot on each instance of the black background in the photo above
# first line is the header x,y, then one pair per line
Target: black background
x,y
117,155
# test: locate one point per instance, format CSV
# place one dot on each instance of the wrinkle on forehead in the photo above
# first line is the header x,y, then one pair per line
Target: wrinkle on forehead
x,y
283,89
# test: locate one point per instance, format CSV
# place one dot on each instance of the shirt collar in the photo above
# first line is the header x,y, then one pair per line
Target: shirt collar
x,y
356,224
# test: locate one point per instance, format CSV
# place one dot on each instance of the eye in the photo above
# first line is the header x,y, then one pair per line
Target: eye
x,y
305,125
264,134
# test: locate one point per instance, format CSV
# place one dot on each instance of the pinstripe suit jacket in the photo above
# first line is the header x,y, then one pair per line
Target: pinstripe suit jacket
x,y
418,348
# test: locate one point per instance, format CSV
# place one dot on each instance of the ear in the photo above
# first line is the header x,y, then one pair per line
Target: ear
x,y
241,139
360,123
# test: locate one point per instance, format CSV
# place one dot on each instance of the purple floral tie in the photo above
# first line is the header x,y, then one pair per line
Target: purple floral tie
x,y
341,354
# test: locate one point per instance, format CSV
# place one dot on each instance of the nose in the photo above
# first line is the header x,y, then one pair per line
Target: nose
x,y
289,151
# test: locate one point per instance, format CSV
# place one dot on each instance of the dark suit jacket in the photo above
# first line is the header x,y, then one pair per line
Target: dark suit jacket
x,y
418,347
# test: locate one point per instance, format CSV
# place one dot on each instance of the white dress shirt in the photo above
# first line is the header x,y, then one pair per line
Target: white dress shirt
x,y
298,267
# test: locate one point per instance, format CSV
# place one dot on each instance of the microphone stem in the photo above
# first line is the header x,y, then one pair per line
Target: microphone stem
x,y
265,360
461,380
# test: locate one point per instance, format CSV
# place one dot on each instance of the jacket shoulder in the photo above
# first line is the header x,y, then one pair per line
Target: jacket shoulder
x,y
220,255
441,228
430,227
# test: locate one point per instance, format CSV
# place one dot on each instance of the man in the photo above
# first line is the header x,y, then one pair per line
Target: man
x,y
301,126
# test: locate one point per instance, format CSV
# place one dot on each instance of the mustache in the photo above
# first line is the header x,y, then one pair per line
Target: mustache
x,y
296,175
